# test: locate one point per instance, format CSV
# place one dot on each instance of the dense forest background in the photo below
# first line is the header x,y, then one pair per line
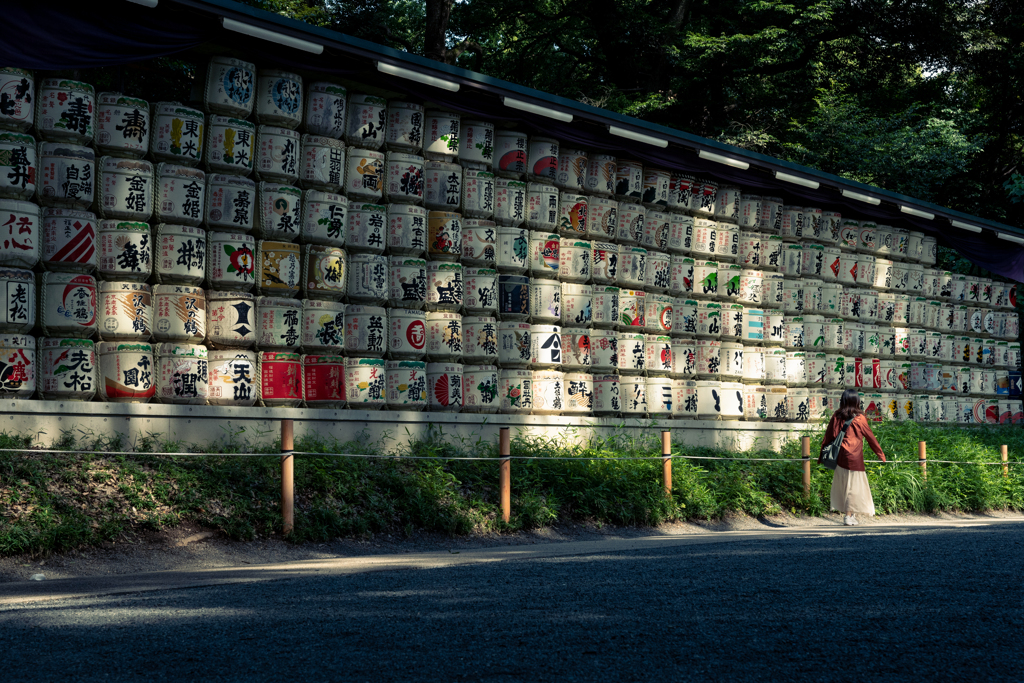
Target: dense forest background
x,y
922,97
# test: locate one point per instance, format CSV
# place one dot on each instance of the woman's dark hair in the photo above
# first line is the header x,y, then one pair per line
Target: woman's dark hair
x,y
849,405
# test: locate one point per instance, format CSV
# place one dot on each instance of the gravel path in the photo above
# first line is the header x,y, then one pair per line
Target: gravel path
x,y
841,604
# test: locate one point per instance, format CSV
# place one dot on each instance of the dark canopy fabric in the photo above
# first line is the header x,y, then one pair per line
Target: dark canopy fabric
x,y
51,36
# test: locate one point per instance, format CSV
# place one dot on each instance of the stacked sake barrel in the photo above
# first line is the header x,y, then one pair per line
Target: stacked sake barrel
x,y
291,242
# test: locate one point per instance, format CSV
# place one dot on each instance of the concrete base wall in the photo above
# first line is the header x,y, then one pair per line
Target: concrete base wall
x,y
214,425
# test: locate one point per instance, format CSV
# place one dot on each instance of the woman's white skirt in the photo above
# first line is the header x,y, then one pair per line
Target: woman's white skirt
x,y
851,493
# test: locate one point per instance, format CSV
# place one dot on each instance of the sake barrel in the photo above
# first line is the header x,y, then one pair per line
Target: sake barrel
x,y
576,348
406,385
67,174
232,374
125,311
515,391
512,251
365,383
325,112
66,369
633,393
658,313
444,336
441,135
323,326
364,175
177,134
680,233
279,211
606,311
604,350
772,253
67,306
180,314
231,261
657,277
367,280
365,331
629,224
601,174
321,163
480,339
408,334
602,218
775,366
771,215
125,372
548,392
18,88
868,307
542,207
278,268
65,111
605,263
656,231
576,304
578,393
480,389
514,348
853,338
607,395
658,355
444,387
709,320
278,154
20,247
17,366
367,121
479,242
749,215
753,364
444,237
69,240
572,214
125,250
231,320
442,186
510,200
230,145
632,310
774,328
476,149
545,346
19,167
182,374
230,87
408,282
796,369
732,322
706,195
750,249
230,201
279,323
514,297
279,99
831,297
681,278
323,380
445,286
772,290
181,254
574,256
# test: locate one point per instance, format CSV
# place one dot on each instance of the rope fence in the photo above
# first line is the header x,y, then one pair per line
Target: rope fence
x,y
505,458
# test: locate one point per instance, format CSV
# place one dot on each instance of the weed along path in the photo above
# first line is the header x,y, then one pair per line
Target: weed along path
x,y
909,601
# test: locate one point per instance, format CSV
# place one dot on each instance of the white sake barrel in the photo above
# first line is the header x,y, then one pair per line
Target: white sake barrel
x,y
606,310
126,372
705,193
792,226
177,135
231,261
513,248
481,285
656,231
279,98
749,215
515,391
705,238
793,296
576,304
19,167
480,389
811,292
445,387
732,322
230,200
629,223
279,324
545,346
125,311
774,328
868,312
602,218
705,279
366,225
631,353
601,174
680,233
709,320
510,201
658,313
629,180
325,112
18,355
65,111
834,332
181,314
69,240
323,325
230,87
278,154
655,188
548,392
731,360
66,369
407,229
479,241
574,255
793,329
771,215
180,254
658,355
633,395
681,276
632,310
545,301
572,170
929,250
407,333
775,367
684,357
231,320
542,207
685,313
753,364
853,338
363,278
442,186
604,350
796,369
578,393
407,385
750,249
321,163
660,395
573,214
231,376
279,213
364,175
605,262
20,247
181,374
480,339
510,153
125,250
67,305
441,135
772,252
773,290
404,127
685,399
366,383
514,344
476,148
727,204
444,336
19,87
709,358
230,145
444,236
67,175
366,331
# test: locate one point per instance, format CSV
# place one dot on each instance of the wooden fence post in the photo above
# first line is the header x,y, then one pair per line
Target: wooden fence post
x,y
805,450
922,457
505,473
287,476
666,462
1004,456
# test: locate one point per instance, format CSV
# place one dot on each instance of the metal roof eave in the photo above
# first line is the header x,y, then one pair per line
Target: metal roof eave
x,y
377,52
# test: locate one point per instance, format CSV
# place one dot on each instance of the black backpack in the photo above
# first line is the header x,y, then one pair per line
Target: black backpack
x,y
830,452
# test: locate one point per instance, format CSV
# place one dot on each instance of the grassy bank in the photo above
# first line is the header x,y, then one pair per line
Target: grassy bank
x,y
52,502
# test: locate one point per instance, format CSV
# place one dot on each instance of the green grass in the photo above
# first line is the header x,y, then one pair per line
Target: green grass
x,y
53,502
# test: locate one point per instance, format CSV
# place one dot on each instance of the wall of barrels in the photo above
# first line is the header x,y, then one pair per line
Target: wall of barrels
x,y
295,242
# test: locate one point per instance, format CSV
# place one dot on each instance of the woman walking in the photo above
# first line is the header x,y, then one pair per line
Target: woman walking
x,y
850,491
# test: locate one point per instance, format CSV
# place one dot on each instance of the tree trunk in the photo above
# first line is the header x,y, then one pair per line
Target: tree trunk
x,y
435,44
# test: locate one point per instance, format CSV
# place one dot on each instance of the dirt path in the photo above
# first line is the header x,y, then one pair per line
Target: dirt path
x,y
192,548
